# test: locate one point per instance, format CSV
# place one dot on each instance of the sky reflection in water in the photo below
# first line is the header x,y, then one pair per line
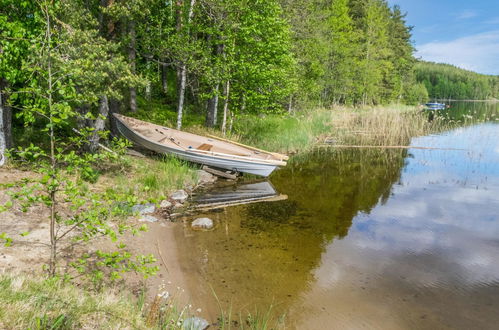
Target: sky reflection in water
x,y
426,257
367,238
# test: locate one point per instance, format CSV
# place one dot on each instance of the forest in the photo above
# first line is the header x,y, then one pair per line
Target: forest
x,y
213,60
445,81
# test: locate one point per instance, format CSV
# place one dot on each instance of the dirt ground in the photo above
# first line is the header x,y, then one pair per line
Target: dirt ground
x,y
29,253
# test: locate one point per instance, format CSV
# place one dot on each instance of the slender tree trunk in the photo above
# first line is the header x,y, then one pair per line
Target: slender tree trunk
x,y
3,140
211,112
132,57
114,107
164,78
231,123
226,106
181,95
53,174
290,104
148,85
243,104
183,71
99,123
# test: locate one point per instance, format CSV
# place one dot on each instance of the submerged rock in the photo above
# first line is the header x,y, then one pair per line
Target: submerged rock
x,y
144,208
148,218
195,323
165,204
179,196
202,223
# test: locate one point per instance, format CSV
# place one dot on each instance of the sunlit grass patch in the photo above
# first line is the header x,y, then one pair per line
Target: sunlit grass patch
x,y
153,178
39,303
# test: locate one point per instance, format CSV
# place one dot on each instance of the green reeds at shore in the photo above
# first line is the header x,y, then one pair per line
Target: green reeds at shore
x,y
388,125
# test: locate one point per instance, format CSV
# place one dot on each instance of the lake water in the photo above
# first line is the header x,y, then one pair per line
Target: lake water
x,y
388,239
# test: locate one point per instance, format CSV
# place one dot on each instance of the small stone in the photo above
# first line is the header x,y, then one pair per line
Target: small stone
x,y
205,177
177,206
144,208
148,218
195,323
202,223
179,196
165,204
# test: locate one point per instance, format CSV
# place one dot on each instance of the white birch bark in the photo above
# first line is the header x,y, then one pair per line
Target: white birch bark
x,y
226,106
3,140
183,76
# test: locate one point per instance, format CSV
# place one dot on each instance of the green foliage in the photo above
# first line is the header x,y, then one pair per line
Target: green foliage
x,y
7,240
62,169
350,51
444,81
416,94
283,133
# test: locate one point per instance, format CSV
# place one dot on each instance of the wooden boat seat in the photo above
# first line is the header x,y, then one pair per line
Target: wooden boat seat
x,y
205,147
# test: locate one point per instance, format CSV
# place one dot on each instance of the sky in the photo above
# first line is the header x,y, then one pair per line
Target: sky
x,y
464,33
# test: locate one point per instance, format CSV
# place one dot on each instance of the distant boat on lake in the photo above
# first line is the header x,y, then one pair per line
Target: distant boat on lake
x,y
211,151
436,106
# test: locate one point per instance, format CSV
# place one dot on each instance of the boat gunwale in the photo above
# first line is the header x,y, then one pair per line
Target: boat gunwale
x,y
216,155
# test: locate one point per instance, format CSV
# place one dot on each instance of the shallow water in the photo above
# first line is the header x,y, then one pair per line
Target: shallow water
x,y
367,238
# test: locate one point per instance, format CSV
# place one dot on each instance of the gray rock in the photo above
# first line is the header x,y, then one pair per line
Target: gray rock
x,y
195,323
148,218
179,196
178,206
165,204
144,208
205,177
202,223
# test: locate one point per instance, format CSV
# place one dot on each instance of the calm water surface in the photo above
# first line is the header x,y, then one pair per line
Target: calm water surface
x,y
367,238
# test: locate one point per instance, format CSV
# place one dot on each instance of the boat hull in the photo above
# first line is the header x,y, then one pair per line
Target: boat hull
x,y
236,165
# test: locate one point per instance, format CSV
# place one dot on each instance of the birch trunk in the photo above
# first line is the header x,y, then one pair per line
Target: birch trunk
x,y
131,57
211,113
3,140
164,78
226,106
183,73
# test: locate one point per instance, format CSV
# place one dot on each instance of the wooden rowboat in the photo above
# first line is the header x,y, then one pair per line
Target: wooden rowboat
x,y
212,151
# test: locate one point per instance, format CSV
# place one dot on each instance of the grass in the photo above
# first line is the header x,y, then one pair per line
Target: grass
x,y
380,126
151,178
51,303
39,303
253,321
283,133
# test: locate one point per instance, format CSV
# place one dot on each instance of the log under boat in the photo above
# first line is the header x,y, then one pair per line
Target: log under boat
x,y
212,151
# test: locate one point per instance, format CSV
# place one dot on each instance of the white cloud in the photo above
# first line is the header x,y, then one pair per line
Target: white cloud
x,y
478,52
